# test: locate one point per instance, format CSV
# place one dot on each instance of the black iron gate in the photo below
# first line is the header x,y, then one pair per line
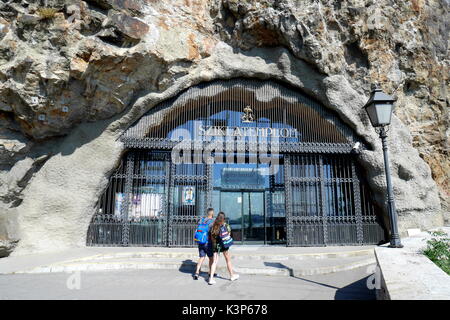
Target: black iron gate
x,y
145,204
184,215
141,204
142,178
326,202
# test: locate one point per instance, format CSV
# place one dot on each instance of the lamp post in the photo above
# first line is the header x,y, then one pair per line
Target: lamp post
x,y
379,109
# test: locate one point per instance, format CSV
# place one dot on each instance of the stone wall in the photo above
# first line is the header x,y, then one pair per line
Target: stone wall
x,y
407,274
71,81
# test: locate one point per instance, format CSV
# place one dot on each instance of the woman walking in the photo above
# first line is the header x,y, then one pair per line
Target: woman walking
x,y
220,226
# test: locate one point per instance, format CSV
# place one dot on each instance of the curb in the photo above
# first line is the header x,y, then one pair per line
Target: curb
x,y
235,256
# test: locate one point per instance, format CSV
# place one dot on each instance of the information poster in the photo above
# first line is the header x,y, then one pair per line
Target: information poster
x,y
188,198
142,205
146,205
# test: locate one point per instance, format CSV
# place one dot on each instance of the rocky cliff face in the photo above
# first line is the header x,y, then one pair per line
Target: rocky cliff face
x,y
72,72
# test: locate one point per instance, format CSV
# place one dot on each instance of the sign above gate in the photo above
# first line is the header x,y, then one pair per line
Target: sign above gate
x,y
236,131
242,110
226,131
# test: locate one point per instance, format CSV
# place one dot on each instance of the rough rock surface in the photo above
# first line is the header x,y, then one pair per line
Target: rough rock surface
x,y
6,247
72,82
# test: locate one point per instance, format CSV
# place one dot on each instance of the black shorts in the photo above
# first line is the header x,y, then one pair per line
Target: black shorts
x,y
205,250
219,248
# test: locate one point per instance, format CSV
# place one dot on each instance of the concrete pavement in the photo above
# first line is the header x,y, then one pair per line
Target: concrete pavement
x,y
176,284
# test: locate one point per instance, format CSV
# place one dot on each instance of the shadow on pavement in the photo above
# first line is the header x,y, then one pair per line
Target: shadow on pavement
x,y
188,266
291,274
357,290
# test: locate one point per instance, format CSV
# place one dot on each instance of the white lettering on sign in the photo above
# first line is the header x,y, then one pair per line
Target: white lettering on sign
x,y
224,131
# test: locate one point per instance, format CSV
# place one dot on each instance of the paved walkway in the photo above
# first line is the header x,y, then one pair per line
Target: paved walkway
x,y
175,284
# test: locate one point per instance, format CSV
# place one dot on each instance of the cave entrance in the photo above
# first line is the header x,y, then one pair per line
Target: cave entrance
x,y
278,163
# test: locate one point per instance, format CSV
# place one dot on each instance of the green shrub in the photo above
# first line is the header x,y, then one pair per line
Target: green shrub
x,y
46,13
438,250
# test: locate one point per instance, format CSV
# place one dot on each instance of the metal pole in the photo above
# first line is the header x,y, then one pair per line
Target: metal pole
x,y
395,237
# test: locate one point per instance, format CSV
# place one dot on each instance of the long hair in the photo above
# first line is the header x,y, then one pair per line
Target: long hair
x,y
220,220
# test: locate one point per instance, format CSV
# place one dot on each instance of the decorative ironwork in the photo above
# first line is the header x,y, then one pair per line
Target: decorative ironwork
x,y
358,210
127,195
247,117
220,104
288,196
323,202
300,147
106,225
276,206
210,185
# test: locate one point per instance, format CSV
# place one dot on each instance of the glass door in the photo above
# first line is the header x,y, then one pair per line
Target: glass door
x,y
231,204
245,212
254,222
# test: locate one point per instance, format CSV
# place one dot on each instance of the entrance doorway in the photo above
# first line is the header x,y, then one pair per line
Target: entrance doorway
x,y
246,214
252,201
278,163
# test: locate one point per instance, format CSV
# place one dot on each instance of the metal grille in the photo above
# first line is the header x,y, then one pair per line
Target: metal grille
x,y
133,210
371,224
276,207
322,205
313,200
149,210
186,214
274,107
106,225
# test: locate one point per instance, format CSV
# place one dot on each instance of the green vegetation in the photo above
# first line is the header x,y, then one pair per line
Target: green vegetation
x,y
438,250
46,13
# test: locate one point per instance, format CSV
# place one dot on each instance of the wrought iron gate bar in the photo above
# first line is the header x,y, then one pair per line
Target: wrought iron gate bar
x,y
126,202
288,196
357,202
323,211
118,175
190,178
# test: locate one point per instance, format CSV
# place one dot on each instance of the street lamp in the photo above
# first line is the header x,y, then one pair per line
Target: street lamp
x,y
379,109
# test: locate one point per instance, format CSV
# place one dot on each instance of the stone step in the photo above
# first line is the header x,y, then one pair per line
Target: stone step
x,y
236,256
270,267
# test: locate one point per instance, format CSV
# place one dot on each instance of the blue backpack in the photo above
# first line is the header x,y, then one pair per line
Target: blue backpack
x,y
201,235
225,237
